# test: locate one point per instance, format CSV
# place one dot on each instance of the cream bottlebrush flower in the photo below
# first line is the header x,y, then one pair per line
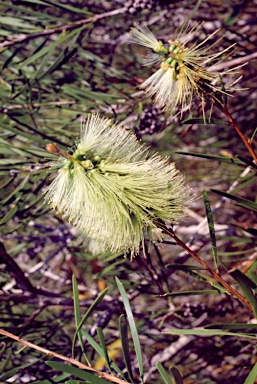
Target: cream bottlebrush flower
x,y
182,68
113,189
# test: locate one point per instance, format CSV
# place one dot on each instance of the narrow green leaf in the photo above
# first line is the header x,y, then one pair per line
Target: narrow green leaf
x,y
208,332
211,228
200,277
99,350
40,74
254,133
66,7
7,360
247,161
9,215
133,327
80,373
253,278
231,326
13,371
247,286
21,186
19,23
77,319
223,159
163,373
104,348
252,376
87,314
242,202
82,93
123,328
58,379
194,292
49,48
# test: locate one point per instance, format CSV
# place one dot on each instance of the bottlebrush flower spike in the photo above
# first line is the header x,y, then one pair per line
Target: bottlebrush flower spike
x,y
182,68
113,189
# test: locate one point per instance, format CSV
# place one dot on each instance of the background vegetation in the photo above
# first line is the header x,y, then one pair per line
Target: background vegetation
x,y
59,61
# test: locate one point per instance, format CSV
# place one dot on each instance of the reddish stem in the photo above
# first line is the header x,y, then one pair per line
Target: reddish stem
x,y
237,129
62,357
216,275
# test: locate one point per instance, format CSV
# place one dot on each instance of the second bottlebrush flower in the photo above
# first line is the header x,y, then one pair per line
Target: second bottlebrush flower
x,y
183,70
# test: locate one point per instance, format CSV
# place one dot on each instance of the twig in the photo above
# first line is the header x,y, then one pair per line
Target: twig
x,y
63,28
36,105
15,271
61,357
237,129
206,266
21,280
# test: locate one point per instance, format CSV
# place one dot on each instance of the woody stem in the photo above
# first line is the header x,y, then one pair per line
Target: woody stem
x,y
246,142
216,275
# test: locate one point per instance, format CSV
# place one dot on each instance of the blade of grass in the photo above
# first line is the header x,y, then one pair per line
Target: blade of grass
x,y
242,202
87,314
190,293
99,350
211,228
252,376
247,287
133,327
77,319
212,157
208,332
77,372
163,373
104,348
123,328
13,371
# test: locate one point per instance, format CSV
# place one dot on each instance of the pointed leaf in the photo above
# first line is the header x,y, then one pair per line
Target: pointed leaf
x,y
104,348
251,378
87,314
242,202
77,319
224,159
163,373
133,327
247,285
80,373
123,327
208,332
211,228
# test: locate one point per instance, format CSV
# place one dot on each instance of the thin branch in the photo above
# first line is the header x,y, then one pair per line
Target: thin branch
x,y
36,105
237,129
15,271
76,24
207,267
61,357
